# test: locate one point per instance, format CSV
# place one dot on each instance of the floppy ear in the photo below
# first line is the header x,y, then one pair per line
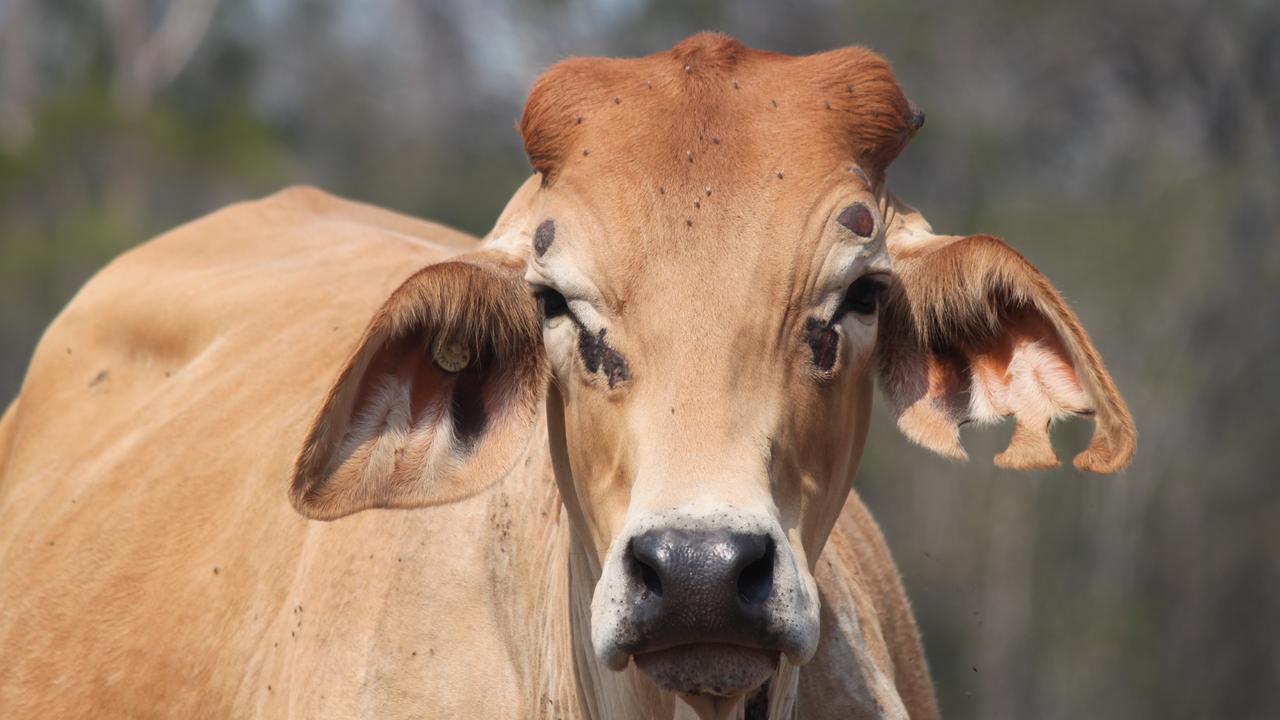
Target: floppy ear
x,y
438,400
972,331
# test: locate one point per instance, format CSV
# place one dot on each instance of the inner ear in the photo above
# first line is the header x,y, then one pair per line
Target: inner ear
x,y
405,376
437,402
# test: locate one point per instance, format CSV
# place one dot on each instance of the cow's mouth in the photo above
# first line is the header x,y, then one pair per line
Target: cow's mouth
x,y
709,668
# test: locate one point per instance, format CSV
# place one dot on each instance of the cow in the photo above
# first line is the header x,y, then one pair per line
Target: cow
x,y
309,458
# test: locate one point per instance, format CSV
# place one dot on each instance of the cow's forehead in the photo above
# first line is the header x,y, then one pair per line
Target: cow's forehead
x,y
709,148
712,111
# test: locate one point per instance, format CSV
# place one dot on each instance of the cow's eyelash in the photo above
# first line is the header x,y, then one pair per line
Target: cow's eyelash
x,y
551,304
863,296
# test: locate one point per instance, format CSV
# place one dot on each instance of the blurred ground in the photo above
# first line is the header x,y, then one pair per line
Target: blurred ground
x,y
1131,150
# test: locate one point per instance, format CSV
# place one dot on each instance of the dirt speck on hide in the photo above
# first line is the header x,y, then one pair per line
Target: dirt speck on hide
x,y
99,378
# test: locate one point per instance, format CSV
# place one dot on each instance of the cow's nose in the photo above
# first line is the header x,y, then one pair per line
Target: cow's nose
x,y
709,586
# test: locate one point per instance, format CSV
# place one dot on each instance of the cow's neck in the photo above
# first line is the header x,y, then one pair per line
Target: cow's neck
x,y
549,579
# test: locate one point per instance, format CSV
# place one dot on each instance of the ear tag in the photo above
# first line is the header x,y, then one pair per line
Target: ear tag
x,y
450,355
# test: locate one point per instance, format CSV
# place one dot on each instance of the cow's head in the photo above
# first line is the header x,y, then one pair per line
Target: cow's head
x,y
718,273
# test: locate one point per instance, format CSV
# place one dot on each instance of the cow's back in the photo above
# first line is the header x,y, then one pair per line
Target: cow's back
x,y
150,563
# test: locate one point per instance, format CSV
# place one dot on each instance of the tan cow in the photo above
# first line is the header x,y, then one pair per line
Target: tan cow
x,y
638,480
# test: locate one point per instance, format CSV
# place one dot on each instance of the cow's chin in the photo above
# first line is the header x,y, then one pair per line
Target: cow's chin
x,y
708,668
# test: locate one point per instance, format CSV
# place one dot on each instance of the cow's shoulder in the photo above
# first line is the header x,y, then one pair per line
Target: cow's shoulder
x,y
275,290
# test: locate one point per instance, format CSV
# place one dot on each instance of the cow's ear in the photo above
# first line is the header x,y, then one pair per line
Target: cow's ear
x,y
438,400
973,332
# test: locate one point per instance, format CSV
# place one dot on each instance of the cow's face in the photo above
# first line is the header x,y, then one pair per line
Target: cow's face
x,y
696,290
708,255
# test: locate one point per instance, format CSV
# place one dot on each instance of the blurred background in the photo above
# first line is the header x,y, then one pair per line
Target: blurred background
x,y
1131,150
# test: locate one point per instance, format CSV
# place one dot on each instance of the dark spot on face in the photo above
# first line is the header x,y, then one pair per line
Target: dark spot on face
x,y
708,191
823,341
688,70
735,85
215,569
715,140
828,104
688,222
101,376
467,408
585,152
857,217
544,236
779,174
774,102
849,88
697,204
689,154
577,120
617,100
597,356
662,190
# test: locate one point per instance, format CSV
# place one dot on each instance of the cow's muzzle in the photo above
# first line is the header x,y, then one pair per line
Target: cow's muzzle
x,y
705,603
699,587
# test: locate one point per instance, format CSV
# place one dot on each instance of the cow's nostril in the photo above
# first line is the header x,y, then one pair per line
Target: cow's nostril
x,y
649,576
755,583
645,558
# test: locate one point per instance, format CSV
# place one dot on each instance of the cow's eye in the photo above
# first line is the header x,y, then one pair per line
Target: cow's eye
x,y
863,296
551,304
